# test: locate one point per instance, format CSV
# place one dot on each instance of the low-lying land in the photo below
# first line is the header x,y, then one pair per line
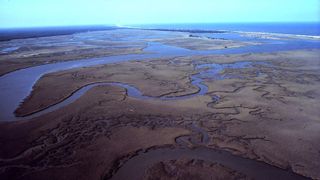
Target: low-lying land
x,y
45,50
278,36
203,43
265,112
22,53
191,169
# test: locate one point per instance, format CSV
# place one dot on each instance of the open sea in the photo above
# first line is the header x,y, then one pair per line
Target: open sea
x,y
312,29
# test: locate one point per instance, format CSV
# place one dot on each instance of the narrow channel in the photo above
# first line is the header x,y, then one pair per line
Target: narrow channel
x,y
136,166
205,71
17,85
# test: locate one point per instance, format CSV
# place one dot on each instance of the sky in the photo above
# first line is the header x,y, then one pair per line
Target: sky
x,y
32,13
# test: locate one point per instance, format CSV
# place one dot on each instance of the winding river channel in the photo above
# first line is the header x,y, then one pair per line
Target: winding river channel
x,y
136,166
206,71
16,86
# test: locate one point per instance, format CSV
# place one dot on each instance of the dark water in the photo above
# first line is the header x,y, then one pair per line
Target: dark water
x,y
283,28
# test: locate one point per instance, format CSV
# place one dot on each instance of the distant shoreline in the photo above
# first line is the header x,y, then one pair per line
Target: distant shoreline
x,y
309,29
23,33
265,35
185,30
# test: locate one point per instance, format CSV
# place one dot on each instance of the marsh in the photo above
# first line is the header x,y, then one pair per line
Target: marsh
x,y
152,100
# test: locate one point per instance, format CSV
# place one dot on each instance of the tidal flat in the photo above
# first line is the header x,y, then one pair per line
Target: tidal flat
x,y
148,104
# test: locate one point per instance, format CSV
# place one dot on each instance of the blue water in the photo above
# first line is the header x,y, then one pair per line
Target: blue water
x,y
284,28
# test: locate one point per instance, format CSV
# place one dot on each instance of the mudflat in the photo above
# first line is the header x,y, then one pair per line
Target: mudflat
x,y
22,53
45,50
256,118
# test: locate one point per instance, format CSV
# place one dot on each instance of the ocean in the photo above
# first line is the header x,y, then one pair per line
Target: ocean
x,y
312,29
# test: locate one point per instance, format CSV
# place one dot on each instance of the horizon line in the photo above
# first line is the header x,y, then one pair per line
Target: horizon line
x,y
120,24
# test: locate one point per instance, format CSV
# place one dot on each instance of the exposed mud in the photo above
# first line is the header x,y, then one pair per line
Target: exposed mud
x,y
259,119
